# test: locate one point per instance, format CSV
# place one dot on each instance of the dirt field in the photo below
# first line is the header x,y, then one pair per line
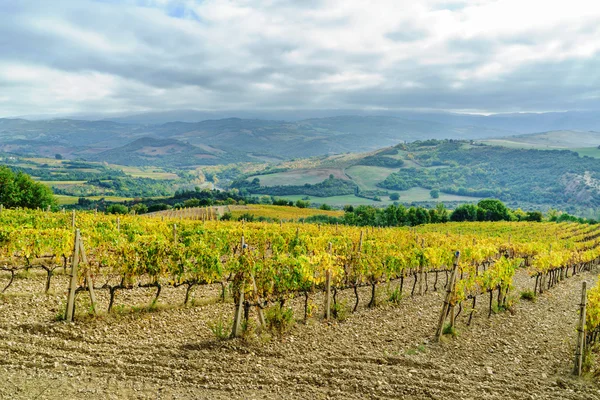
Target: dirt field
x,y
386,352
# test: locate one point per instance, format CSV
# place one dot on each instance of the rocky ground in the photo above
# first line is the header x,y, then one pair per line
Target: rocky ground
x,y
386,352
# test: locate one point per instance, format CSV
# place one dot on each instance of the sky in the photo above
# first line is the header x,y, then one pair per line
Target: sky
x,y
130,56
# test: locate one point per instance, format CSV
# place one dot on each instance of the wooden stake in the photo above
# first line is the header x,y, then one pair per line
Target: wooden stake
x,y
118,224
580,349
175,233
73,284
449,293
328,290
73,220
237,317
88,276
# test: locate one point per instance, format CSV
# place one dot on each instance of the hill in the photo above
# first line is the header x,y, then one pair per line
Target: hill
x,y
583,142
457,170
227,140
158,152
513,122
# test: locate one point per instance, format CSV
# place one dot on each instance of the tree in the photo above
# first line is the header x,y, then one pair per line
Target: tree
x,y
435,194
58,156
302,203
117,209
493,210
535,216
394,196
19,190
141,208
465,212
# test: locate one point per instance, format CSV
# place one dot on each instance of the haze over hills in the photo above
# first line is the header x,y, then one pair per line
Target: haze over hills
x,y
563,139
224,140
527,122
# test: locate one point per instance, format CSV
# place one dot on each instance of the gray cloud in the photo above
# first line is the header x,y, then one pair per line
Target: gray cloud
x,y
112,56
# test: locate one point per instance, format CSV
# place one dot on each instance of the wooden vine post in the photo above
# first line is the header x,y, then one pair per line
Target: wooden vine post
x,y
328,290
421,268
237,317
79,256
73,220
449,293
580,349
73,283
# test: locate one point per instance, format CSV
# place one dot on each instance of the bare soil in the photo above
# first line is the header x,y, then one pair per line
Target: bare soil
x,y
385,352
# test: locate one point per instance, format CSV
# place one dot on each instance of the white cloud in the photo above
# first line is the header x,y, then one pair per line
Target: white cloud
x,y
101,56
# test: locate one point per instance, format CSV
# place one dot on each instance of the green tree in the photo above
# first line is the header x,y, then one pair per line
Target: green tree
x,y
19,190
394,197
435,194
465,212
302,203
117,209
493,210
140,208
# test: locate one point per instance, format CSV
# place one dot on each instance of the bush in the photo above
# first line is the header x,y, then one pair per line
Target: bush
x,y
139,208
450,330
246,217
226,216
528,295
220,328
394,197
279,320
395,296
339,310
117,209
302,204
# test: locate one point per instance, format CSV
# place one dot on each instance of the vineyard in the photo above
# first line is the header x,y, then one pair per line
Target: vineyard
x,y
246,273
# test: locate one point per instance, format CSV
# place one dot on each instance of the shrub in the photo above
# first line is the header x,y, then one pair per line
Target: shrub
x,y
117,209
528,295
219,328
279,320
395,296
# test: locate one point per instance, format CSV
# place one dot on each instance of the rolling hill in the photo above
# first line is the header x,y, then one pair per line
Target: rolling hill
x,y
460,170
226,140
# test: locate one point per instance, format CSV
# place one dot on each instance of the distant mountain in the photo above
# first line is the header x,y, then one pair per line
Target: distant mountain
x,y
553,139
158,152
513,122
225,140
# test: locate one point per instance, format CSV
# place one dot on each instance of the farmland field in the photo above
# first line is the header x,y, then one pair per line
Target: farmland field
x,y
406,196
152,349
279,212
299,176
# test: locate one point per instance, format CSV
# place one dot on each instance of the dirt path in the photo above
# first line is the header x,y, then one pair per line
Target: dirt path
x,y
382,353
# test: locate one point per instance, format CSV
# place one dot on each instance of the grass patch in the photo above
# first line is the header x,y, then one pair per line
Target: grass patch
x,y
220,328
395,296
450,330
339,310
528,295
279,320
416,350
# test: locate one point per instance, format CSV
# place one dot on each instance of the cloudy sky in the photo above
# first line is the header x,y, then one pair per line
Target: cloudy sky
x,y
106,56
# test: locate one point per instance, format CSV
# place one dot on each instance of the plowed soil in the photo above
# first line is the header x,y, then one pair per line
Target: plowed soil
x,y
385,352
